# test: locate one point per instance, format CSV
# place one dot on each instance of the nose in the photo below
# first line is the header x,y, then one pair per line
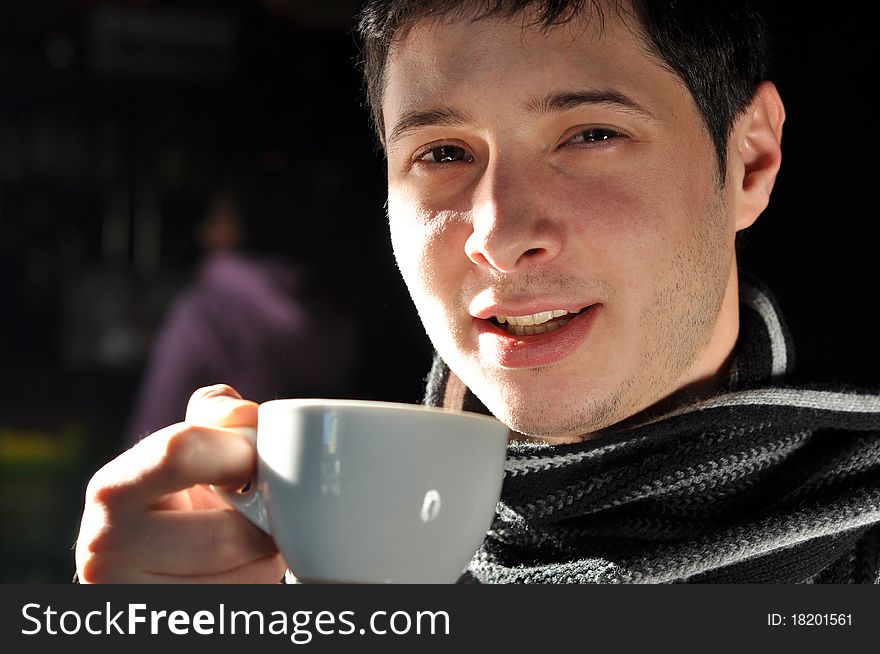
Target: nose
x,y
511,228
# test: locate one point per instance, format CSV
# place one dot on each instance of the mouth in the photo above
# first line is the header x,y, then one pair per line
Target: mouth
x,y
537,339
543,322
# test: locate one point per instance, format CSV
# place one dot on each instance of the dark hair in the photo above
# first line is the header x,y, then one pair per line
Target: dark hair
x,y
719,48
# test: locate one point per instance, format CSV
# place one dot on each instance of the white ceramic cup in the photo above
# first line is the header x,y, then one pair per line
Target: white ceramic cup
x,y
374,492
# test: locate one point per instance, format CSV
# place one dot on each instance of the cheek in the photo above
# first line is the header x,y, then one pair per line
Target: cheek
x,y
628,225
408,227
425,245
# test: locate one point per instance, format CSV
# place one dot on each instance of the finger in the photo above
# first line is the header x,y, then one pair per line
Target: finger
x,y
221,406
170,460
269,570
193,543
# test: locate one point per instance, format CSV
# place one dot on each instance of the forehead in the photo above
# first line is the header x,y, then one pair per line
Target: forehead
x,y
462,61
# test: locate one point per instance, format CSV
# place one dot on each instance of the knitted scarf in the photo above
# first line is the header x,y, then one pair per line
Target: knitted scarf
x,y
766,483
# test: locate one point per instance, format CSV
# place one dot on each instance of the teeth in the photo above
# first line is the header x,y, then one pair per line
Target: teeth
x,y
528,330
532,319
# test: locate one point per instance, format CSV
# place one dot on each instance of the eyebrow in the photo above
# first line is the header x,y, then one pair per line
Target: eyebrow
x,y
551,103
439,117
559,102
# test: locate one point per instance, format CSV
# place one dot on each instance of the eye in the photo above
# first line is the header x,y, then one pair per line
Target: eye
x,y
593,135
446,153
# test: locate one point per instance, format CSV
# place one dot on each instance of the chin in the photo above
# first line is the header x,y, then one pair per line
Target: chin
x,y
553,416
547,426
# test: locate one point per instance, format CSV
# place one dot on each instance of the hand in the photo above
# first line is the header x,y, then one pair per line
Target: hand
x,y
149,516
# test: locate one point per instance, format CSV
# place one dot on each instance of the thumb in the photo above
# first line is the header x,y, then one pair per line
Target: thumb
x,y
220,406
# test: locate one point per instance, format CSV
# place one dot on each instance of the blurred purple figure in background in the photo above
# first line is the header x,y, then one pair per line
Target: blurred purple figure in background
x,y
251,320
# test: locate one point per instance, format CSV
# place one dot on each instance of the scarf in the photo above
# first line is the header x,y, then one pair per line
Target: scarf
x,y
767,482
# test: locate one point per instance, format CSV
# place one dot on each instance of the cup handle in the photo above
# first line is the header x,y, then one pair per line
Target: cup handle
x,y
249,500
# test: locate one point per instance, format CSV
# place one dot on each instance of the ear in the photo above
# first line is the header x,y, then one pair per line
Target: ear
x,y
755,154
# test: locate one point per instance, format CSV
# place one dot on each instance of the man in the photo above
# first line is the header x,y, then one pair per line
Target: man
x,y
566,181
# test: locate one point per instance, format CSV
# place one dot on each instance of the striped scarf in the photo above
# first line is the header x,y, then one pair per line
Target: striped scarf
x,y
765,483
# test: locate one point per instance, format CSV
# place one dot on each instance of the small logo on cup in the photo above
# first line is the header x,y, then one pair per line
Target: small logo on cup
x,y
430,505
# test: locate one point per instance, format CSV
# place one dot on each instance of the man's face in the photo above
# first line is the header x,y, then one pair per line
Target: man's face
x,y
536,171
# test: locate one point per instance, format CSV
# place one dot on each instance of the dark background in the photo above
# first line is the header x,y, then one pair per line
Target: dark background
x,y
116,120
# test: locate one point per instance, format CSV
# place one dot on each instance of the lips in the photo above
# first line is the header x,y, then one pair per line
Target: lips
x,y
502,344
536,323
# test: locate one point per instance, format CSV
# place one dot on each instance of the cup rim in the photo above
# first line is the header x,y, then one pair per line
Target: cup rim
x,y
314,402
